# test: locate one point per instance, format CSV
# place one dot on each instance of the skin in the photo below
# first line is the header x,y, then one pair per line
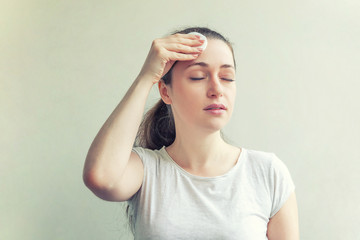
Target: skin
x,y
215,84
114,173
198,146
198,140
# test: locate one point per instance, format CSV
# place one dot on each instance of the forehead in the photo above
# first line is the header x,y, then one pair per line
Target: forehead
x,y
216,54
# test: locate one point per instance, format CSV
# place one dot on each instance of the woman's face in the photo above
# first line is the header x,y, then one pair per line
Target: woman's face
x,y
202,92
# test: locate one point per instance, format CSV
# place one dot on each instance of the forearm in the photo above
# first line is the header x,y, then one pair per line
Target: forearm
x,y
110,151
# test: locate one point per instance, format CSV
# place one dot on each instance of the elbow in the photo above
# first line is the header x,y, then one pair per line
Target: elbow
x,y
95,181
99,183
93,175
92,182
96,184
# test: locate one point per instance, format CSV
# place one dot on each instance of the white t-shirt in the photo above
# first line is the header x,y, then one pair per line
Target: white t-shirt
x,y
174,204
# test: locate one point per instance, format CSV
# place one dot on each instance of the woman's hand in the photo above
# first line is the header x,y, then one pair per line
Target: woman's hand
x,y
164,52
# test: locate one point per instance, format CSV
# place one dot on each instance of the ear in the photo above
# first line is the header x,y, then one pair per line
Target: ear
x,y
164,92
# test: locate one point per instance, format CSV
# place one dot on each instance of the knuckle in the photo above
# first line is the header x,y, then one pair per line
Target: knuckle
x,y
157,46
178,46
156,43
163,52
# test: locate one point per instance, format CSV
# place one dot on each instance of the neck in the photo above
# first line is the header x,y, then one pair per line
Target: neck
x,y
193,150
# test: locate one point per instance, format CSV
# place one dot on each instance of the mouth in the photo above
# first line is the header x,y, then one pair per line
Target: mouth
x,y
215,107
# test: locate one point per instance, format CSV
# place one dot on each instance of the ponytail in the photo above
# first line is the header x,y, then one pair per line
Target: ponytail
x,y
157,128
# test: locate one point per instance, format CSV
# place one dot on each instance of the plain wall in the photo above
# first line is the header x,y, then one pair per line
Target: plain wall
x,y
65,65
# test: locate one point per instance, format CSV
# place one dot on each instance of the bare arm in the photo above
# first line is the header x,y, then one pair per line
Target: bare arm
x,y
111,170
110,151
285,224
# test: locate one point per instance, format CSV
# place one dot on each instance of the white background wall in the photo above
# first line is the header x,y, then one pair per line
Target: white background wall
x,y
65,65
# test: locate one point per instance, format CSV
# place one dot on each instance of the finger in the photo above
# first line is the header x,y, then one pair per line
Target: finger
x,y
186,39
175,43
181,48
187,36
182,57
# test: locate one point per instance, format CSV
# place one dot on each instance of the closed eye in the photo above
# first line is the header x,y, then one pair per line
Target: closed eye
x,y
227,79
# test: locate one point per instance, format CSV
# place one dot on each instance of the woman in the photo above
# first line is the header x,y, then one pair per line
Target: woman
x,y
185,181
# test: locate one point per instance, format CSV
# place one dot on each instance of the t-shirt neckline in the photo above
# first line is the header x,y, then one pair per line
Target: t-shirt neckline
x,y
229,172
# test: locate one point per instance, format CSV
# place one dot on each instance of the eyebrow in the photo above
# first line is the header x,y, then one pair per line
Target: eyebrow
x,y
202,64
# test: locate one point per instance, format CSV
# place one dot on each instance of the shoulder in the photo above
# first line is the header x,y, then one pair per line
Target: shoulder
x,y
257,155
144,152
259,159
268,165
150,158
266,159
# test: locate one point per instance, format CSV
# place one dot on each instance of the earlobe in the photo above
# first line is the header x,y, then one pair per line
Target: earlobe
x,y
163,90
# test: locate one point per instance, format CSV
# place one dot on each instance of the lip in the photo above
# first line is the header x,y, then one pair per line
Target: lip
x,y
215,106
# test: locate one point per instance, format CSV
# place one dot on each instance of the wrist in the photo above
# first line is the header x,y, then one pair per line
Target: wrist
x,y
147,79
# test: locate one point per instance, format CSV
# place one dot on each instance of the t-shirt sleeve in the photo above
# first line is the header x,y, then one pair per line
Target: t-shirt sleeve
x,y
133,202
141,153
148,157
282,184
150,160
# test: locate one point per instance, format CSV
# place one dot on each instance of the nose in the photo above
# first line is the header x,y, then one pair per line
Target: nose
x,y
215,89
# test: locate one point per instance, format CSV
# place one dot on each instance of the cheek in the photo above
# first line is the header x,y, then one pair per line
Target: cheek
x,y
185,91
186,99
231,98
232,92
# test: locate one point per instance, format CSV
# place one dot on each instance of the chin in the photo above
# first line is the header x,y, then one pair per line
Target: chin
x,y
215,126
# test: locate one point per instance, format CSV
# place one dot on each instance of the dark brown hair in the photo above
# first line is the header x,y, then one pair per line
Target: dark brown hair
x,y
158,127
